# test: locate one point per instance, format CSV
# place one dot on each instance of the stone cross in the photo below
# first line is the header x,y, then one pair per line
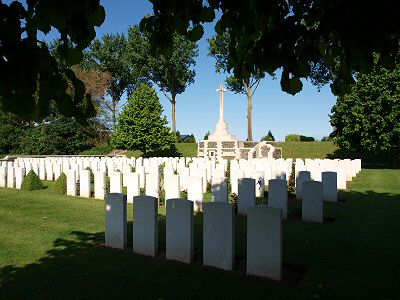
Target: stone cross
x,y
221,91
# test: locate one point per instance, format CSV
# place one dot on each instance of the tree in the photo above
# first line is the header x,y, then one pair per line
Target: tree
x,y
219,49
123,59
141,125
268,137
206,135
292,36
31,80
368,118
172,73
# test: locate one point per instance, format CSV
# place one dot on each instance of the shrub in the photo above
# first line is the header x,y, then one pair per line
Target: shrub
x,y
60,186
32,182
102,149
306,138
91,174
292,138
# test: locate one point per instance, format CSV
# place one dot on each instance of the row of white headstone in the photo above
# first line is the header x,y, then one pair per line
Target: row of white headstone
x,y
264,233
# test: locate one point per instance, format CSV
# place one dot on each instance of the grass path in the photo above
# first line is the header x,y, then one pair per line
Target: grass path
x,y
48,250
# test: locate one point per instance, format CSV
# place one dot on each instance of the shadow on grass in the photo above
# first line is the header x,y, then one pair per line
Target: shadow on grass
x,y
376,160
366,224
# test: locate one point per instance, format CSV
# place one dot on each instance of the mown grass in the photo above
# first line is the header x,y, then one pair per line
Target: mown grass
x,y
49,249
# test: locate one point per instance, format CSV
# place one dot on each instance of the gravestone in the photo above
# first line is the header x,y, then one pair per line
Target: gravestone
x,y
247,196
264,242
312,208
10,177
219,189
3,176
116,221
99,184
329,186
218,235
133,186
84,184
172,186
145,225
278,195
71,183
19,177
115,182
179,230
195,192
153,184
302,177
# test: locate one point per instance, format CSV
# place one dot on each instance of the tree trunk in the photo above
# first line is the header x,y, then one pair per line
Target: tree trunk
x,y
114,115
173,104
249,114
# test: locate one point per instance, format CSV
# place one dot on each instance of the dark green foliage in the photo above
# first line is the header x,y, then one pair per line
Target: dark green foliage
x,y
141,125
206,135
10,133
268,137
60,185
57,135
32,182
31,79
125,59
178,137
191,139
306,138
368,118
174,72
337,37
292,138
326,139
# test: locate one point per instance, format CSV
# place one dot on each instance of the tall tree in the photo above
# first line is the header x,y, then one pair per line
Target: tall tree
x,y
219,49
141,125
368,118
288,35
30,78
113,54
172,72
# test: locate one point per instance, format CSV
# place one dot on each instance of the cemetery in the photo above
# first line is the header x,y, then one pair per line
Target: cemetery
x,y
103,195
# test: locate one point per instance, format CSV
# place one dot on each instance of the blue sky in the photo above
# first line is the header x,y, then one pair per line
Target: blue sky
x,y
198,108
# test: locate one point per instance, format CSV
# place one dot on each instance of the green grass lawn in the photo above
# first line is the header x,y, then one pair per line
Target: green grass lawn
x,y
49,249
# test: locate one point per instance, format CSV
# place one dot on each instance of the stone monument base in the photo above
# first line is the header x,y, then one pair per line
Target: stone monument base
x,y
237,149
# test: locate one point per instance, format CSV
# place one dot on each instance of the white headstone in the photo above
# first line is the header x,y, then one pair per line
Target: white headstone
x,y
116,182
171,186
153,184
3,176
312,208
302,177
278,195
99,184
219,189
19,177
10,177
329,186
195,192
116,221
71,183
264,242
247,196
218,235
84,184
179,230
133,186
145,225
